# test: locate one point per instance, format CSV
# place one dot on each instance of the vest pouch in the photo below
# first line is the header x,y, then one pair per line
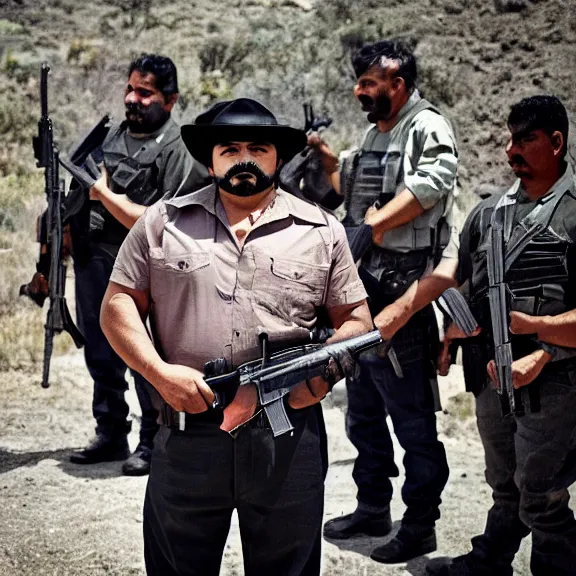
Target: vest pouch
x,y
392,173
440,239
130,176
367,186
96,220
395,273
549,300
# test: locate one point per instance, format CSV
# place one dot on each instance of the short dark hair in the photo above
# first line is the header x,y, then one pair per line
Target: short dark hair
x,y
542,112
164,70
370,55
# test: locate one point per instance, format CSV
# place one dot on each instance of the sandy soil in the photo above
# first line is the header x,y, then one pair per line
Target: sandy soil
x,y
61,519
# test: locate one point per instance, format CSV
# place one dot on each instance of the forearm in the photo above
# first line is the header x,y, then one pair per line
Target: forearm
x,y
429,288
402,209
419,295
350,321
125,211
557,330
124,328
334,178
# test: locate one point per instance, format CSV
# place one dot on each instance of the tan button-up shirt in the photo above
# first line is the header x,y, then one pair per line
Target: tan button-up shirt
x,y
211,297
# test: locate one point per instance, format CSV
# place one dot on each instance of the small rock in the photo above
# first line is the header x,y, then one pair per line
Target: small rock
x,y
306,5
452,7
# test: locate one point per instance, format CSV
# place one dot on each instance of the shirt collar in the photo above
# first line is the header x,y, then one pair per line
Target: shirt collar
x,y
284,206
410,103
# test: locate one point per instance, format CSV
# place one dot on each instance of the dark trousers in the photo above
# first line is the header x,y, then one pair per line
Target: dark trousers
x,y
199,476
530,463
410,403
106,368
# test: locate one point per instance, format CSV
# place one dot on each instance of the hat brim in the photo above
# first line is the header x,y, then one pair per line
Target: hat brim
x,y
200,139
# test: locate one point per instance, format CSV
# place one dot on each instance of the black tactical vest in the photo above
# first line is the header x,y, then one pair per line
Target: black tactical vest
x,y
135,175
537,276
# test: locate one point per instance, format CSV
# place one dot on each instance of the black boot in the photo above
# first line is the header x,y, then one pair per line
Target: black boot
x,y
139,462
359,523
405,545
466,565
102,448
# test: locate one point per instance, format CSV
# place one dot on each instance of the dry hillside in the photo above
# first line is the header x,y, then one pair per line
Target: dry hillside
x,y
475,58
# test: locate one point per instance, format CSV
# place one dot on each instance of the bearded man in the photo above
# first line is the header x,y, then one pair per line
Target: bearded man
x,y
398,189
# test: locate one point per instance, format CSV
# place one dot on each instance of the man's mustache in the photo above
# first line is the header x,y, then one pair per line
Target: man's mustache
x,y
517,159
366,101
245,168
134,109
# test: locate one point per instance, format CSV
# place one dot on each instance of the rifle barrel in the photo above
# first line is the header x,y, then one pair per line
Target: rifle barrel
x,y
48,347
44,70
319,357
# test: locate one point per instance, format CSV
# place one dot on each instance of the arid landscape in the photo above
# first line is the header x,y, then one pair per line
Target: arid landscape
x,y
476,57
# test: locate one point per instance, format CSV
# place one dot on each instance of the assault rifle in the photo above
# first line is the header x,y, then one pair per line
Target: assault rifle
x,y
275,374
52,265
313,123
304,175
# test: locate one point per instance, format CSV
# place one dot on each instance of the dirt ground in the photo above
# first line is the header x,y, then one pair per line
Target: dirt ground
x,y
62,519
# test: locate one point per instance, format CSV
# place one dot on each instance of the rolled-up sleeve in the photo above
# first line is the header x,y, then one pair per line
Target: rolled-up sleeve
x,y
344,284
131,268
431,161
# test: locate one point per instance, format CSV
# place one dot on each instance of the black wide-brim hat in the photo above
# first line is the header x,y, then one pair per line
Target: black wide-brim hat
x,y
241,120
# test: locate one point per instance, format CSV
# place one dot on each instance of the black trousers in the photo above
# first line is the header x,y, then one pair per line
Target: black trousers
x,y
410,403
106,368
530,463
199,476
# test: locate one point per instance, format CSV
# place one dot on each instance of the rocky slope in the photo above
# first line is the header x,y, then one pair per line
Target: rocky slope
x,y
476,57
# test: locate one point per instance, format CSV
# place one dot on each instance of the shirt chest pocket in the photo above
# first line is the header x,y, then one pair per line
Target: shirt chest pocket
x,y
288,288
177,276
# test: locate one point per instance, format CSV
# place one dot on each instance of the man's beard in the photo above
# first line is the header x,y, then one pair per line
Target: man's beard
x,y
378,109
246,187
145,120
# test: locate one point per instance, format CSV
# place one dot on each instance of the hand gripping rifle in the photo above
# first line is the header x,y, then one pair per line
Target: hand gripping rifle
x,y
46,153
275,374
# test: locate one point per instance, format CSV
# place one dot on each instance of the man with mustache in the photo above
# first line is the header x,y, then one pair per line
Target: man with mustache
x,y
217,273
398,187
530,452
143,159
